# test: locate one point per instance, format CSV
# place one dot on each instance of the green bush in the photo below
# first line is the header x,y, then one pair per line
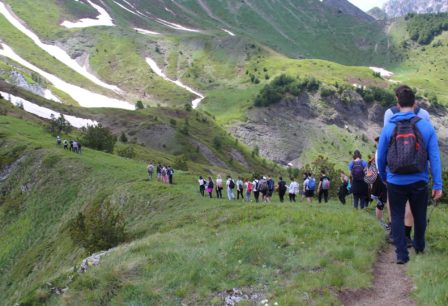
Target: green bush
x,y
123,137
99,138
59,125
99,228
139,105
181,163
217,142
127,152
423,28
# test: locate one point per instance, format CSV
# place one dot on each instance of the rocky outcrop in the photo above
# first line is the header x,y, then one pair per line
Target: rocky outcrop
x,y
397,8
377,13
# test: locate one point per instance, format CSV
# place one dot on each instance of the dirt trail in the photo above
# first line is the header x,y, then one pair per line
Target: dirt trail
x,y
391,286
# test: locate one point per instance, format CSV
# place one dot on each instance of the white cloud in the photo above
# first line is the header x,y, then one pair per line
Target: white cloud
x,y
366,5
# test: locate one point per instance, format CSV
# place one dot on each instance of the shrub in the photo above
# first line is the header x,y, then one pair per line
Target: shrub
x,y
181,163
327,92
188,107
139,105
173,122
123,137
100,227
99,138
217,142
127,152
59,125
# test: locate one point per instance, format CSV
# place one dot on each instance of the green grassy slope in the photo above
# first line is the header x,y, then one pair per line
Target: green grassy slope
x,y
183,248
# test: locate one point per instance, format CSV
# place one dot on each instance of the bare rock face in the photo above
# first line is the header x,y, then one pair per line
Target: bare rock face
x,y
397,8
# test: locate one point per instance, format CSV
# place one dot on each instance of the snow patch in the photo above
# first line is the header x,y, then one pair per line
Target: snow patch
x,y
46,113
383,72
103,19
55,51
83,96
175,26
146,32
195,103
228,32
50,96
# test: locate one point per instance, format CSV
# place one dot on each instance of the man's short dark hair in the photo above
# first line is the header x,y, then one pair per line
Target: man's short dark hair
x,y
405,96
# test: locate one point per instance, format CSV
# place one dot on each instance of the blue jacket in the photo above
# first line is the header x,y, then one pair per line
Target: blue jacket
x,y
430,140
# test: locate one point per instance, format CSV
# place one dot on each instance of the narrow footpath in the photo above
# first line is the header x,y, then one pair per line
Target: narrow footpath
x,y
392,286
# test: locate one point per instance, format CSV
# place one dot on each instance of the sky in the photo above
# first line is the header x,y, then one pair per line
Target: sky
x,y
366,5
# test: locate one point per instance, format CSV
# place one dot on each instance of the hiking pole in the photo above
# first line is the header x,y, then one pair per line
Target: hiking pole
x,y
434,205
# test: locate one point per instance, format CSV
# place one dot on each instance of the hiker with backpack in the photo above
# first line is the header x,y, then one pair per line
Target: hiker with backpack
x,y
263,188
239,188
58,140
202,184
164,174
293,189
65,144
159,171
230,187
150,170
281,187
324,187
219,187
344,189
305,177
210,186
408,219
308,187
406,144
249,187
271,189
255,185
360,189
170,171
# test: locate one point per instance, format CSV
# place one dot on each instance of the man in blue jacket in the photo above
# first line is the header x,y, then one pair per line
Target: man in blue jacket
x,y
409,185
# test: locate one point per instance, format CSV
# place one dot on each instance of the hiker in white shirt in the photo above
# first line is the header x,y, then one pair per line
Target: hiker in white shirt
x,y
293,190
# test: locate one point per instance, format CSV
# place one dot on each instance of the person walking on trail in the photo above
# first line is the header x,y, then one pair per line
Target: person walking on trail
x,y
170,175
75,146
71,145
360,189
324,187
164,174
281,189
65,144
256,189
271,189
293,189
406,144
202,184
219,187
249,187
239,188
308,187
58,140
150,170
408,219
344,189
305,177
159,171
230,188
79,148
263,188
210,186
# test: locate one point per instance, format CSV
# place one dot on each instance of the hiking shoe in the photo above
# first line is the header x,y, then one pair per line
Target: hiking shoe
x,y
387,226
409,242
402,261
419,252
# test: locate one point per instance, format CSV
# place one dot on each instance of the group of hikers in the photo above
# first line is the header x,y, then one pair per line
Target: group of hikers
x,y
71,145
262,188
396,177
164,173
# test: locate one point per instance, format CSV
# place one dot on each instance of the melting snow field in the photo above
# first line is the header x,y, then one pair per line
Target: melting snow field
x,y
46,113
383,72
83,96
175,26
195,103
103,19
55,51
146,32
228,32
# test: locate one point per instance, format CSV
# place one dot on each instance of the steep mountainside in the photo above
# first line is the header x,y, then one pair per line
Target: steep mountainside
x,y
397,8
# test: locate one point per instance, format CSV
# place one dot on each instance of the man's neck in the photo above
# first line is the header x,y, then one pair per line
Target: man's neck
x,y
406,109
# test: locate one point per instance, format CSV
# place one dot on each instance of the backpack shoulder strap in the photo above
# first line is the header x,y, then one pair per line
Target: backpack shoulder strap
x,y
415,120
417,110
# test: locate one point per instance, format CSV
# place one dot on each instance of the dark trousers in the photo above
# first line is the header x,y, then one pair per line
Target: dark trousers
x,y
418,196
210,194
219,193
325,194
238,193
359,200
256,196
171,179
202,190
281,194
292,197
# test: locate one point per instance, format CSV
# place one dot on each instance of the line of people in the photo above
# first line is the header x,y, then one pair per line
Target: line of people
x,y
164,173
263,188
71,145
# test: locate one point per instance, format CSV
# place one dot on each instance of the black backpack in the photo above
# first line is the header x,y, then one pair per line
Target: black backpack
x,y
211,185
282,186
358,171
231,184
407,151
